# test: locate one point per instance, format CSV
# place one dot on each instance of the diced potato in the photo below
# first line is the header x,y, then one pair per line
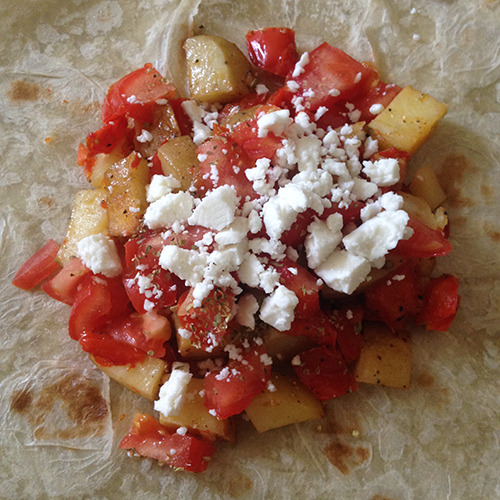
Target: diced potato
x,y
89,216
217,70
164,127
280,345
144,378
385,357
425,184
126,182
239,115
289,403
419,208
102,163
408,121
178,158
195,416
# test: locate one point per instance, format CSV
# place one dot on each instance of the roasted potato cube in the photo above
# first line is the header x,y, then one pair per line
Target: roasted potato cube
x,y
286,401
408,121
419,208
238,115
126,182
144,378
102,163
179,159
385,357
163,128
280,345
195,416
89,216
217,70
425,184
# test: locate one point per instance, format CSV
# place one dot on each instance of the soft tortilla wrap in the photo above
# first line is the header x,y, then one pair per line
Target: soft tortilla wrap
x,y
62,420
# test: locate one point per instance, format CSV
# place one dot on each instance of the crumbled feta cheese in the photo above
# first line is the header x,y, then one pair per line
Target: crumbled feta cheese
x,y
376,109
188,265
217,209
171,208
172,392
343,271
260,89
299,66
278,308
323,238
375,237
383,172
100,255
275,122
247,307
160,186
145,136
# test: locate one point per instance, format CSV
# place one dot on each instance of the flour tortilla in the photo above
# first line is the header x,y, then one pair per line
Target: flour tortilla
x,y
438,440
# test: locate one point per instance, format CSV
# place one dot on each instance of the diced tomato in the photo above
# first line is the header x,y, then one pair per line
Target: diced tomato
x,y
108,351
225,163
321,329
38,267
150,439
63,286
324,371
441,301
245,134
185,123
134,95
147,332
229,390
209,322
272,49
248,101
382,93
395,299
304,284
97,300
335,117
332,76
347,321
424,243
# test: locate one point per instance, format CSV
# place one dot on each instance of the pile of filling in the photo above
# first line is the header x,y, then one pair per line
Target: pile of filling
x,y
254,250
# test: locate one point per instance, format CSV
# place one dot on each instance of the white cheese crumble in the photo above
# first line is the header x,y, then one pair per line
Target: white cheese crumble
x,y
169,209
145,136
100,255
383,172
278,308
160,186
172,392
275,122
301,63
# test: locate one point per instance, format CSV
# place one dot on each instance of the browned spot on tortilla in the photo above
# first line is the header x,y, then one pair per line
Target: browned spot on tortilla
x,y
238,484
486,191
78,107
380,497
344,456
47,201
348,426
492,233
21,90
425,380
20,400
452,175
79,398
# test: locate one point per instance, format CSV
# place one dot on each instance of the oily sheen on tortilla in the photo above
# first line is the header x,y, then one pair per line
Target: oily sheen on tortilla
x,y
62,419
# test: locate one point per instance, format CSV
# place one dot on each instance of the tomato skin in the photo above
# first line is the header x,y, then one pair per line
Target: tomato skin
x,y
331,68
324,371
424,243
64,285
150,439
209,323
396,298
38,267
321,330
347,320
229,390
382,93
304,284
229,161
97,301
272,49
146,85
108,351
441,301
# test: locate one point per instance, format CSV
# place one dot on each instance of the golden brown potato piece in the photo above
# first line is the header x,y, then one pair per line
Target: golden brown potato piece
x,y
102,163
408,121
425,184
419,208
217,70
280,345
288,403
385,357
89,216
126,182
144,378
195,416
178,158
